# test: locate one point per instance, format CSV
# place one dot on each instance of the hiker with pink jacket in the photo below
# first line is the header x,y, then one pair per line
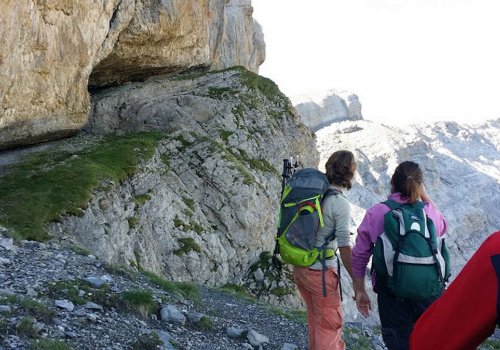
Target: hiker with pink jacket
x,y
397,315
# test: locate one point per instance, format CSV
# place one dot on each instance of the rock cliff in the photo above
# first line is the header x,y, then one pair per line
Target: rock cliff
x,y
202,205
322,109
53,50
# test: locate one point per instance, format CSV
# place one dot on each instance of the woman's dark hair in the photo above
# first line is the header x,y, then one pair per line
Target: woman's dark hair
x,y
407,180
340,168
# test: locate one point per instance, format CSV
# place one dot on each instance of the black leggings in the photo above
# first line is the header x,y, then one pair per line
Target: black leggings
x,y
397,317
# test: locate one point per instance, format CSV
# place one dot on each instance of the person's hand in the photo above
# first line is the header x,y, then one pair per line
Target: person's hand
x,y
424,196
363,303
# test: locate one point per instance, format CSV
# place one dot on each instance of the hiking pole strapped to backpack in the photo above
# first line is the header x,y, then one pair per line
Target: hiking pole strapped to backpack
x,y
289,168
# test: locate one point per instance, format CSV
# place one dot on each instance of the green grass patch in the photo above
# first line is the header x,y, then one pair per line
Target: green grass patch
x,y
141,199
258,164
149,341
79,250
132,221
355,339
225,134
266,86
9,299
141,302
184,143
50,344
189,202
195,227
280,291
237,291
187,290
165,159
298,316
26,327
187,245
220,93
67,290
53,183
71,290
205,324
38,310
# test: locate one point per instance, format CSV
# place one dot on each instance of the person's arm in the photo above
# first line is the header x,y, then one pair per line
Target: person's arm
x,y
345,255
360,256
466,314
424,196
434,213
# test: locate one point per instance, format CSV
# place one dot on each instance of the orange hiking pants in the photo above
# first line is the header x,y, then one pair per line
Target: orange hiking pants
x,y
324,314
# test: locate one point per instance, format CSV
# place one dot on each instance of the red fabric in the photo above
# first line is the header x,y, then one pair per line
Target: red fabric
x,y
324,314
465,315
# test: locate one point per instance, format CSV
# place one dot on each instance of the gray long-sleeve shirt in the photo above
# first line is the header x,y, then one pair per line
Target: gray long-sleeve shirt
x,y
336,215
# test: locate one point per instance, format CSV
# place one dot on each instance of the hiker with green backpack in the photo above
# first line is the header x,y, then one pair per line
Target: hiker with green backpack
x,y
410,263
314,221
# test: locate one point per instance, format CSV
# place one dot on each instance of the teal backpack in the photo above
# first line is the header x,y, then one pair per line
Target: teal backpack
x,y
409,258
300,217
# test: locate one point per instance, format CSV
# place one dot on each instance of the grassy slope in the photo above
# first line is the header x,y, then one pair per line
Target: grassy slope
x,y
49,184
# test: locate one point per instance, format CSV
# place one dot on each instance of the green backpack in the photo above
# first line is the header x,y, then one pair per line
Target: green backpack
x,y
300,218
409,258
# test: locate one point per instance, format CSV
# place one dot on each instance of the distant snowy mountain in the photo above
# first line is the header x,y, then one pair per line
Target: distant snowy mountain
x,y
461,166
321,109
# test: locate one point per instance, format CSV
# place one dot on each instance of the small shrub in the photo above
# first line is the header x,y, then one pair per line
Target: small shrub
x,y
165,158
188,244
67,290
205,324
132,221
141,199
26,327
9,299
225,134
37,310
189,202
140,301
149,341
70,290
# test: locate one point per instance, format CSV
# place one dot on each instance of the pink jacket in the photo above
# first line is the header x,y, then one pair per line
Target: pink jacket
x,y
372,226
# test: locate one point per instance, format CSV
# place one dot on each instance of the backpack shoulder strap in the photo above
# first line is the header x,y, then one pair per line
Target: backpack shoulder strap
x,y
329,192
392,204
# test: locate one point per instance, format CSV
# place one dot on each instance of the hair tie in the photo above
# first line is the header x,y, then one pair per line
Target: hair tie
x,y
409,178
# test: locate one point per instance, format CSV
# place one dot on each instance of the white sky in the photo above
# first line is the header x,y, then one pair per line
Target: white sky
x,y
417,60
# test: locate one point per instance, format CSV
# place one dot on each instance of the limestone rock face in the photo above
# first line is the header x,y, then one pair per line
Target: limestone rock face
x,y
161,37
52,48
239,41
48,51
213,185
317,111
